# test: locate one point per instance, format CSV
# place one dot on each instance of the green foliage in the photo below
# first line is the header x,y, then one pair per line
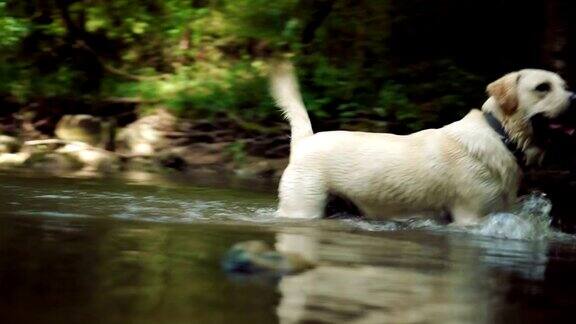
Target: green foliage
x,y
273,21
394,102
208,58
12,29
239,88
237,152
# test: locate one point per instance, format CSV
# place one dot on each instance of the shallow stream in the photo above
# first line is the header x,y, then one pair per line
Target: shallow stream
x,y
149,250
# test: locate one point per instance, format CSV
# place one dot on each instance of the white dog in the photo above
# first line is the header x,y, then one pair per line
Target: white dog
x,y
467,168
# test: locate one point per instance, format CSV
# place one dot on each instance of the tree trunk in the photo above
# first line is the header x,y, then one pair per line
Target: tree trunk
x,y
320,10
554,42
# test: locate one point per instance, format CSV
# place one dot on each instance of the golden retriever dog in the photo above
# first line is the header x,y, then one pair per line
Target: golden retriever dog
x,y
467,169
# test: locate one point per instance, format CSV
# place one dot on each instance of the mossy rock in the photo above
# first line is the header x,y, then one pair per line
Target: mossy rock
x,y
53,162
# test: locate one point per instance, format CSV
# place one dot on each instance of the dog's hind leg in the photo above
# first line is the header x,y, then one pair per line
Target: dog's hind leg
x,y
302,194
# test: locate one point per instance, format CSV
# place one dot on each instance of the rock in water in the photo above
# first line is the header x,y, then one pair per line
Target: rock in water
x,y
252,257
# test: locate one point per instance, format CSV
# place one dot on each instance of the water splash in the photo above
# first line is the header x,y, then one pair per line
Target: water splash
x,y
529,220
392,225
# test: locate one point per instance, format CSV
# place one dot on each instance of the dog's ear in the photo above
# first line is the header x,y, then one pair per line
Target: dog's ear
x,y
505,92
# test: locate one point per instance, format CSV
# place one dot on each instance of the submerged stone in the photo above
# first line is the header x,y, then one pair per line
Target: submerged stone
x,y
253,257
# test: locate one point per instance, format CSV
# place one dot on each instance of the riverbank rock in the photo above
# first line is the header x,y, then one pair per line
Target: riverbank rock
x,y
43,145
84,128
147,135
141,164
9,144
52,162
267,168
194,156
252,257
92,158
59,155
10,160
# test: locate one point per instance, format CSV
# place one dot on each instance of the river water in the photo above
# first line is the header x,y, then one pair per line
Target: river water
x,y
149,250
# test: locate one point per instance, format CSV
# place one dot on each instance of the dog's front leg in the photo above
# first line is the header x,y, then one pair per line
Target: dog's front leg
x,y
465,215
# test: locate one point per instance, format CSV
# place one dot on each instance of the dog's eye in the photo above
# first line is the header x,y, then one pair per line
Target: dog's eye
x,y
543,87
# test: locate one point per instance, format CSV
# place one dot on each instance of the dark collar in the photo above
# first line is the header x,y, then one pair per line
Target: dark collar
x,y
499,129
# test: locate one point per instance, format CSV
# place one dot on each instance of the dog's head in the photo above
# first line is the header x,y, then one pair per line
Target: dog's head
x,y
532,105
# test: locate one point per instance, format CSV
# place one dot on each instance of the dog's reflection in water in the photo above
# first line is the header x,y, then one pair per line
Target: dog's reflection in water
x,y
411,277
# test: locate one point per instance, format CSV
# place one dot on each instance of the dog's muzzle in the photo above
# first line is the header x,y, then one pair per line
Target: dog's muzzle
x,y
548,130
566,121
572,99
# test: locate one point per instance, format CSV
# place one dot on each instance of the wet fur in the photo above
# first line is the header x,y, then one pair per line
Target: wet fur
x,y
463,168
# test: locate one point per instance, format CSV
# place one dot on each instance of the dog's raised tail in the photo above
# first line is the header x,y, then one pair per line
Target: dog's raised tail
x,y
286,93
